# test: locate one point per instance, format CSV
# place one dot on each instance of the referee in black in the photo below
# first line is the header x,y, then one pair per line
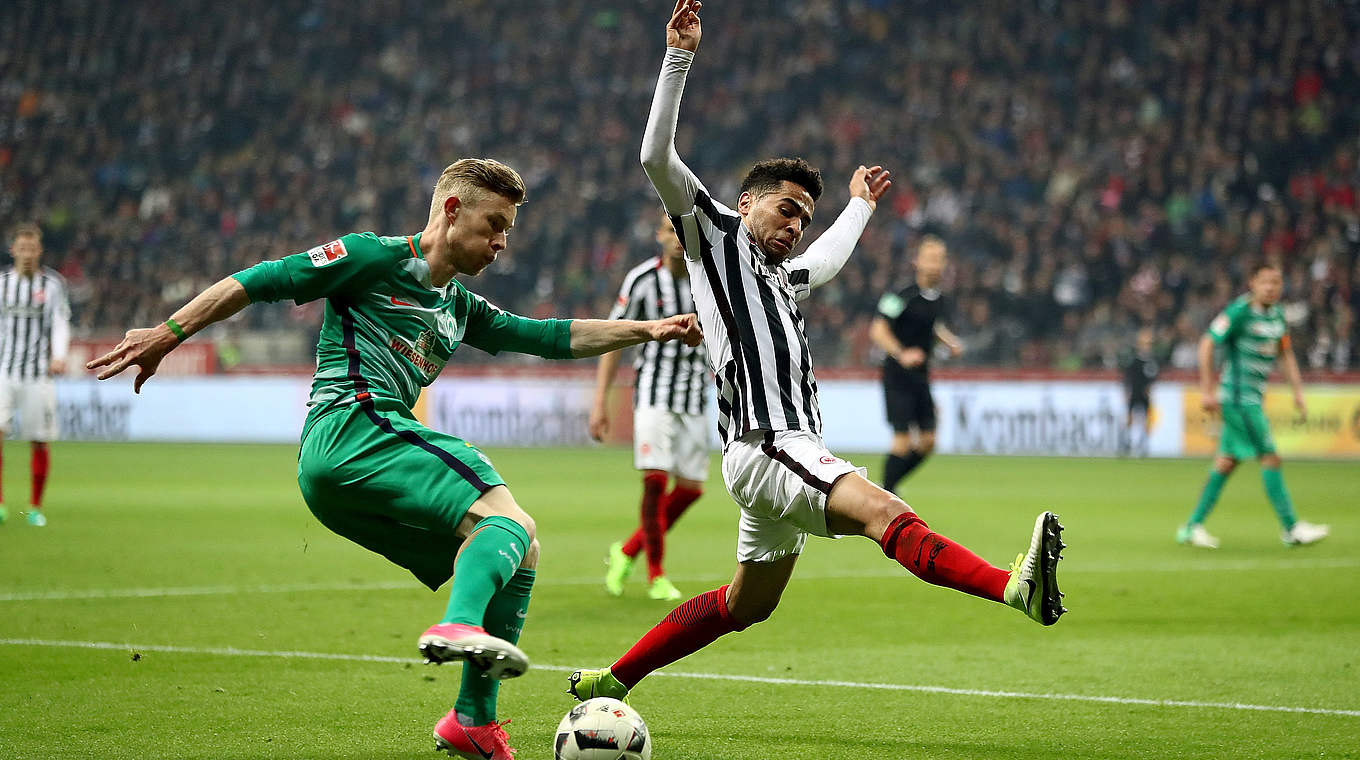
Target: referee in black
x,y
906,326
1139,374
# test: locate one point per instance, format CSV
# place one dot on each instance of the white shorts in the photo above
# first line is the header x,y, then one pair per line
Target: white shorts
x,y
36,402
670,441
780,481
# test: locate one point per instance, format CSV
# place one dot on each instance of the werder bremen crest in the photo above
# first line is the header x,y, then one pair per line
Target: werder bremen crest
x,y
425,343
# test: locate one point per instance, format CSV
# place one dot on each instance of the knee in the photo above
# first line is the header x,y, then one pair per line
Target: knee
x,y
927,444
1225,465
530,561
1271,461
529,526
747,613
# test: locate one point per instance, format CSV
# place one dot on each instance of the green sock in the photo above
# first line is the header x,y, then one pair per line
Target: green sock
x,y
1279,497
504,619
1208,497
484,565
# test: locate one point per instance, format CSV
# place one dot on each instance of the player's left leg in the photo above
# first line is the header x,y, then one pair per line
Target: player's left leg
x,y
1296,532
750,598
6,417
857,507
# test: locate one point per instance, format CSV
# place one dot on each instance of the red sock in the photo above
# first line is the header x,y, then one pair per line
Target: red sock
x,y
935,559
39,466
672,504
653,530
675,502
689,628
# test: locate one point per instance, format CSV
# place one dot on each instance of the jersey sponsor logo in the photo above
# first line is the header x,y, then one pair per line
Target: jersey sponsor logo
x,y
421,354
328,253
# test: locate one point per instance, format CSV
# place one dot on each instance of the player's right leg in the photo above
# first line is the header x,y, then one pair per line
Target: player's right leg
x,y
430,503
857,507
6,417
1234,444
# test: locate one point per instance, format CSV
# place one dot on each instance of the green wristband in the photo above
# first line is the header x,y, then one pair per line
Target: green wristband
x,y
177,330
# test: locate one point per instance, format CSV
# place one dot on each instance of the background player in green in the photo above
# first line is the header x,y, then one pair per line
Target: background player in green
x,y
367,469
1252,333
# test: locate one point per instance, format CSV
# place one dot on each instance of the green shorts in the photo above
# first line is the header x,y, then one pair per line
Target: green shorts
x,y
372,473
1246,435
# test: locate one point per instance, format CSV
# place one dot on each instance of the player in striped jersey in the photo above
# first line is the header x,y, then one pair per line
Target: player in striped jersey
x,y
746,279
35,334
1253,334
670,437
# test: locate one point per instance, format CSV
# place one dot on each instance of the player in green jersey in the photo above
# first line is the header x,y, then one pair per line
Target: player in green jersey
x,y
1252,333
367,468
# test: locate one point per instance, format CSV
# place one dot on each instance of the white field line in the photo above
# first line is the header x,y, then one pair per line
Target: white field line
x,y
234,652
888,571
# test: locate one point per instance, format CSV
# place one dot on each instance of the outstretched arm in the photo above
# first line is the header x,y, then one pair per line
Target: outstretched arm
x,y
826,255
673,181
592,337
146,347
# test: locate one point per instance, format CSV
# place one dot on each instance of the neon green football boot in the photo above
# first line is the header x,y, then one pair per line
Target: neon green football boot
x,y
620,567
36,519
588,684
1033,585
663,590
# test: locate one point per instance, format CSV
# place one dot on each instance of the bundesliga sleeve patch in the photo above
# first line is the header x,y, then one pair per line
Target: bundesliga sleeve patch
x,y
328,253
1220,324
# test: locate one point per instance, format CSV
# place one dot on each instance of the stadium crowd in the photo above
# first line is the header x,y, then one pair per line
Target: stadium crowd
x,y
1093,166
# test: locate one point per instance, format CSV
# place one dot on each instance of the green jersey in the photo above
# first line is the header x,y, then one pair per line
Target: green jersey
x,y
387,330
1251,339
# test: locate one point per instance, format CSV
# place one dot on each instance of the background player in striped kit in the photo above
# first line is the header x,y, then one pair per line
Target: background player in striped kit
x,y
745,280
907,324
35,334
1253,334
670,432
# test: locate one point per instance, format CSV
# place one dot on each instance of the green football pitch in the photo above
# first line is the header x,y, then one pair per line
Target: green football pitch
x,y
183,603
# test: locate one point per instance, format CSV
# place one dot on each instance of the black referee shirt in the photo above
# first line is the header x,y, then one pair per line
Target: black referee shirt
x,y
911,313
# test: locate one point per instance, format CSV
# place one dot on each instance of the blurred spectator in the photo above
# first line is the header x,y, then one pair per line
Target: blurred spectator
x,y
1095,167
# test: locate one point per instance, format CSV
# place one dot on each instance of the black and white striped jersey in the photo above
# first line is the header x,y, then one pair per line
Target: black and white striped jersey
x,y
35,323
754,331
745,299
670,375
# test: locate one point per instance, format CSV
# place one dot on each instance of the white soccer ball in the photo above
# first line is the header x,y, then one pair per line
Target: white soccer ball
x,y
602,729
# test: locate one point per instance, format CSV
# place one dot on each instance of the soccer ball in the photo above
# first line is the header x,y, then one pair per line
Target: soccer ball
x,y
602,729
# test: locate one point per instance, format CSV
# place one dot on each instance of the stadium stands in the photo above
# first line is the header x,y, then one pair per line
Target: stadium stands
x,y
1096,167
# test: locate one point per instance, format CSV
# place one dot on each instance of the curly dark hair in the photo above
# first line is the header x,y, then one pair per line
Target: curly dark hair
x,y
766,176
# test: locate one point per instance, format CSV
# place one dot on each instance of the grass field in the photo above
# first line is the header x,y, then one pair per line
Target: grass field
x,y
183,603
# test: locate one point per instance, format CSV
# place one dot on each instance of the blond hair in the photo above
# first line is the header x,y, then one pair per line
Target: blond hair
x,y
472,178
27,229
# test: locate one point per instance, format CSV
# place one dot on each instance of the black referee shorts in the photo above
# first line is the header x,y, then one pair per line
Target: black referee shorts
x,y
909,403
1139,403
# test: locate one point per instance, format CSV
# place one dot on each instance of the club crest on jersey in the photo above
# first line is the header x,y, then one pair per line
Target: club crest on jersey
x,y
327,254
